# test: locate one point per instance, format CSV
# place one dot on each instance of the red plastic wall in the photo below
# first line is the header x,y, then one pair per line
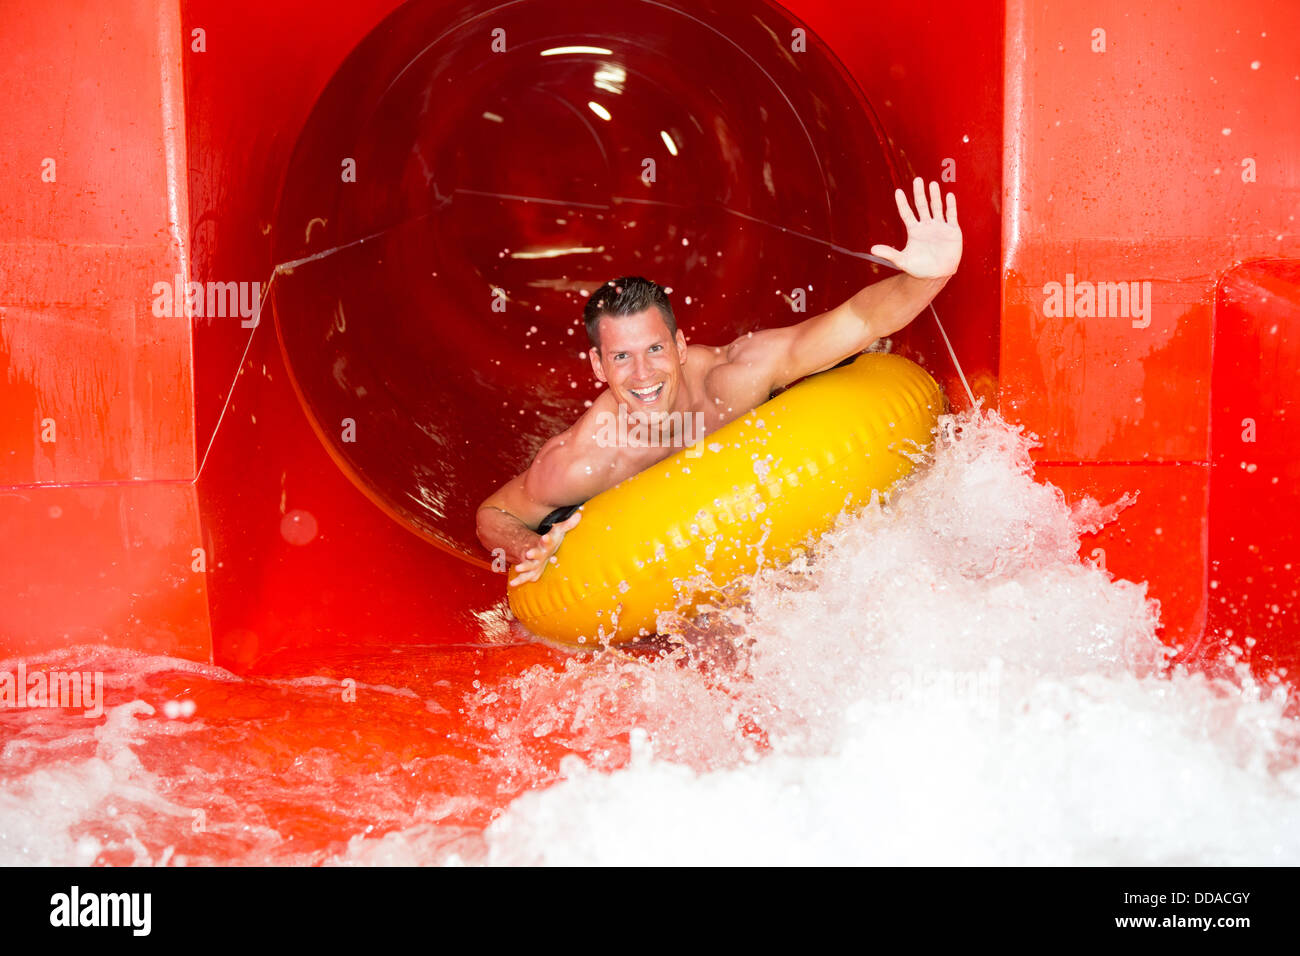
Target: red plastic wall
x,y
98,513
1106,157
1153,144
1254,518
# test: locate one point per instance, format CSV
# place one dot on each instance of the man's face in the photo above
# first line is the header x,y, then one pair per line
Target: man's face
x,y
640,361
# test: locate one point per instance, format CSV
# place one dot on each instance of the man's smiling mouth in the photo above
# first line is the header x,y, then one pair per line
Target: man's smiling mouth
x,y
650,395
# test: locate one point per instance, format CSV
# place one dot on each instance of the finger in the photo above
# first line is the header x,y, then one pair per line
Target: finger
x,y
922,208
523,579
936,202
571,520
951,218
886,252
904,209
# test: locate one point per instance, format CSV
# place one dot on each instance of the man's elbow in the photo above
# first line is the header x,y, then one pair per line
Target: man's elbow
x,y
483,525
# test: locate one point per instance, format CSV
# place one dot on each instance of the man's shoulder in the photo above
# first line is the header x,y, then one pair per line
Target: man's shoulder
x,y
705,362
706,355
569,445
568,458
739,371
743,349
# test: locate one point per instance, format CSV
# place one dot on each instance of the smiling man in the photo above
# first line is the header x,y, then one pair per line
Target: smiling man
x,y
671,392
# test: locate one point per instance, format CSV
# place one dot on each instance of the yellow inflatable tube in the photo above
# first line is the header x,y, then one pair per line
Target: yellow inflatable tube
x,y
762,485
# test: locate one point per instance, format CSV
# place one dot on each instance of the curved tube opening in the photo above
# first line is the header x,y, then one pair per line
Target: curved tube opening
x,y
464,182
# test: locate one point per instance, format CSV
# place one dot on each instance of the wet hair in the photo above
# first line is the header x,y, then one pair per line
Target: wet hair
x,y
626,296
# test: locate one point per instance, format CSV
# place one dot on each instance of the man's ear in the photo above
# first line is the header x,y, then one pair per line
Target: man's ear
x,y
593,354
681,345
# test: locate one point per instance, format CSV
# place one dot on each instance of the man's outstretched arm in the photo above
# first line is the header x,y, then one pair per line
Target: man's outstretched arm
x,y
508,517
926,262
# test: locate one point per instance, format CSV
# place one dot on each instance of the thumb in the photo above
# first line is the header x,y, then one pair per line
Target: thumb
x,y
558,531
886,252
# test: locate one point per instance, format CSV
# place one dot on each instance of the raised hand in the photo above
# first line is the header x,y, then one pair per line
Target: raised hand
x,y
933,238
535,558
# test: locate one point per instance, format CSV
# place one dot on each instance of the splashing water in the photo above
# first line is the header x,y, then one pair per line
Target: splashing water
x,y
945,681
940,680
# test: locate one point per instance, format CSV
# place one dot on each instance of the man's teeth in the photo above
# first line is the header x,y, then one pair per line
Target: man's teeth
x,y
647,393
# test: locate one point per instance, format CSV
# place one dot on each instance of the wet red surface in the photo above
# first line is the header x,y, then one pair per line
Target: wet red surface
x,y
188,485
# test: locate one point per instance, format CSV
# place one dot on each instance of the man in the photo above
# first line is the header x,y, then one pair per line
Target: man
x,y
655,379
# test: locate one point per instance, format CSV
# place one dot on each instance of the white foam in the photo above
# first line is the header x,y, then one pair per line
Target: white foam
x,y
944,681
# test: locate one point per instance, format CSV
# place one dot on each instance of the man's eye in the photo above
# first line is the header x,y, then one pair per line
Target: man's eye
x,y
656,348
619,356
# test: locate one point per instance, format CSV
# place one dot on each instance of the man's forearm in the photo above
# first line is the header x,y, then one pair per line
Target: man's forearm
x,y
500,529
890,304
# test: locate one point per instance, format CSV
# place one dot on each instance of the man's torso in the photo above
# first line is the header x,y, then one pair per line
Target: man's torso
x,y
716,391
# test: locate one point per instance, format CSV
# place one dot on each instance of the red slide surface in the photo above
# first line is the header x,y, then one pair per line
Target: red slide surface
x,y
265,488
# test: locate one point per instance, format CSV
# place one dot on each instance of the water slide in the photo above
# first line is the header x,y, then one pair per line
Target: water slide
x,y
393,212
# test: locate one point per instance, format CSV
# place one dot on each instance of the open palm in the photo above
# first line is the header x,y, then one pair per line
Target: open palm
x,y
933,238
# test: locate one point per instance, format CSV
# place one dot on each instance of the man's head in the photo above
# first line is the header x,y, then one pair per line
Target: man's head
x,y
636,347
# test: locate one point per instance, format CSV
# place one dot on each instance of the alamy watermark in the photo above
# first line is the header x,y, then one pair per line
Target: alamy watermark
x,y
179,299
1121,300
73,690
976,690
666,430
132,911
